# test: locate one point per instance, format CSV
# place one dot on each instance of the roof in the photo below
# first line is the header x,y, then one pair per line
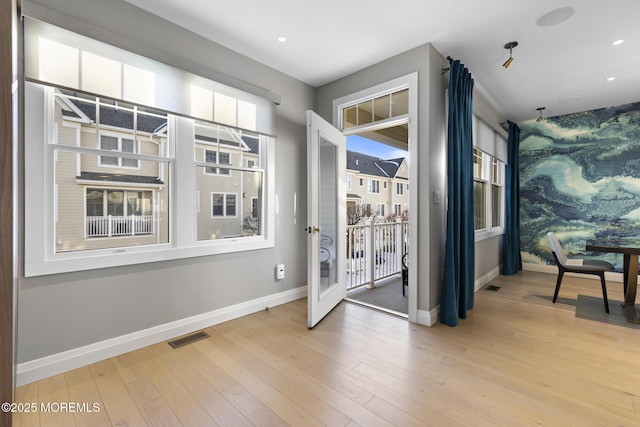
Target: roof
x,y
115,117
121,118
375,166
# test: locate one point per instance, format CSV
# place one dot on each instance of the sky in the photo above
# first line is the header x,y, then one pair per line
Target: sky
x,y
373,148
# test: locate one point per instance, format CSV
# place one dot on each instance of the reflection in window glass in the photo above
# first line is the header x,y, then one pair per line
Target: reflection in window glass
x,y
235,205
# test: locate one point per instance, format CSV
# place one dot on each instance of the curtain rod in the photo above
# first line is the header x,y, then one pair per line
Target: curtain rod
x,y
444,70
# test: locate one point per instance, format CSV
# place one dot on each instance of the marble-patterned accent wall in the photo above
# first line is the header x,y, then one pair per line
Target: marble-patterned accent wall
x,y
580,178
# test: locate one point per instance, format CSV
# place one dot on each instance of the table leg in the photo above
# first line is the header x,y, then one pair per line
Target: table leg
x,y
632,285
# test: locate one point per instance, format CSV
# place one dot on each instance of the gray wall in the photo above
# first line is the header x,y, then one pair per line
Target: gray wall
x,y
431,157
430,154
65,311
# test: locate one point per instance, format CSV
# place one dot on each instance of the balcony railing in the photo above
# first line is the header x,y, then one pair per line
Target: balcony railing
x,y
374,251
109,226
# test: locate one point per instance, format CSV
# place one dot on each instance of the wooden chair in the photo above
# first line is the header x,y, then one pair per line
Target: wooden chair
x,y
584,266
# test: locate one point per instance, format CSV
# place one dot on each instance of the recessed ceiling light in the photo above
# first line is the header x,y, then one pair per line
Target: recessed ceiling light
x,y
617,42
610,79
555,17
282,39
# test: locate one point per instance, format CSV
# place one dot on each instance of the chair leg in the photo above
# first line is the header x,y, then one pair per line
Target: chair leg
x,y
604,292
555,294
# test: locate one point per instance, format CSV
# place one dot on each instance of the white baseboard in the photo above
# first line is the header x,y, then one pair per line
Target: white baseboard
x,y
480,282
430,318
55,364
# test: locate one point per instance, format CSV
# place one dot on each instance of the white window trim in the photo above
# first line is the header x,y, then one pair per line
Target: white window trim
x,y
40,258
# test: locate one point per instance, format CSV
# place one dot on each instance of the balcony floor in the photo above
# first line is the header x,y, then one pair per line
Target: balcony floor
x,y
386,295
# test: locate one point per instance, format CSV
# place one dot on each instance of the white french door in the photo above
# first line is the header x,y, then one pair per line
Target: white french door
x,y
326,218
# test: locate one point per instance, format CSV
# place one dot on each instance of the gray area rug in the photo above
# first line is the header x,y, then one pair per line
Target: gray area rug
x,y
386,294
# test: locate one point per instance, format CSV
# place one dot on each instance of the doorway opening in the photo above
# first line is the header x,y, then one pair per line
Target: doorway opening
x,y
377,188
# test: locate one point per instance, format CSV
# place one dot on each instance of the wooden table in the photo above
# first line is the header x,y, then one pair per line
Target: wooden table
x,y
630,248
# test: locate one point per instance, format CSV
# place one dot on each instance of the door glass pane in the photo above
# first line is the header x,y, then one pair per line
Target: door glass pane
x,y
328,214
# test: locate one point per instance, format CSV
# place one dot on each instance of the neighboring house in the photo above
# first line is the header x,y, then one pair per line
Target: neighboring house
x,y
380,187
105,201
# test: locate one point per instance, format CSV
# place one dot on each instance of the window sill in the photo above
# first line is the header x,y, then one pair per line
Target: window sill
x,y
488,234
119,257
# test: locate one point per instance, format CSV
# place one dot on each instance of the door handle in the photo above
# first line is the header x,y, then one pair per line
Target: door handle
x,y
312,229
316,229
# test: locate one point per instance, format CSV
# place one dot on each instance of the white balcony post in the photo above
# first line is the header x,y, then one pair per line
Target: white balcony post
x,y
109,225
133,225
399,244
370,253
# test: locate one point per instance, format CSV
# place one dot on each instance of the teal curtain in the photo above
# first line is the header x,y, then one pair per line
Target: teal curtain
x,y
511,257
458,281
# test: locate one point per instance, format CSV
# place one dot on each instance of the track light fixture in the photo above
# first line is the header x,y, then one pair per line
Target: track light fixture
x,y
509,46
540,118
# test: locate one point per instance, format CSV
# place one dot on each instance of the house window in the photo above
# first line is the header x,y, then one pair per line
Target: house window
x,y
124,145
111,213
384,184
212,157
488,191
255,207
399,188
361,182
348,182
251,164
373,186
397,209
381,209
223,204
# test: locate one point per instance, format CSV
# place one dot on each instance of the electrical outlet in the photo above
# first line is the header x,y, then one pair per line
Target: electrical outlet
x,y
280,271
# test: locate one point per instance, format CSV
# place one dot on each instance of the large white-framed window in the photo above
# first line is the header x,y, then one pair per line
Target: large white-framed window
x,y
399,188
489,155
381,212
488,193
122,130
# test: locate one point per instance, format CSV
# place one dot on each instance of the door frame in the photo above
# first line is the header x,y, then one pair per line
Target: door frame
x,y
8,94
409,81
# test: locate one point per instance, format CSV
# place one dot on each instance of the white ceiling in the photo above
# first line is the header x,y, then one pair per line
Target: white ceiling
x,y
562,67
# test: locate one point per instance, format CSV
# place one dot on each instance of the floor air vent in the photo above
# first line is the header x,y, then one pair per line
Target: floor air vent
x,y
493,288
188,339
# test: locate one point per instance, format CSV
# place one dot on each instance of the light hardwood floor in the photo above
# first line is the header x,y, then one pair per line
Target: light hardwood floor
x,y
517,360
